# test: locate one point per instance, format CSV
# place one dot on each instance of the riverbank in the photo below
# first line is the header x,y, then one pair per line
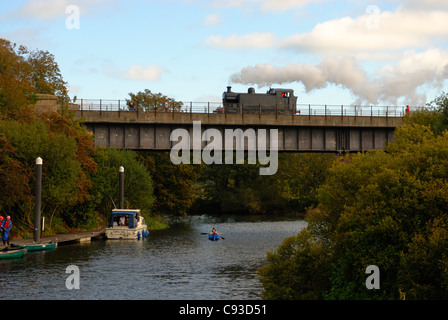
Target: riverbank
x,y
66,238
19,234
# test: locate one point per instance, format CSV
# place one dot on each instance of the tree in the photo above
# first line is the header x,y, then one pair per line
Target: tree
x,y
25,73
14,176
175,187
298,270
138,184
424,272
388,209
63,179
299,177
14,89
154,101
434,115
240,188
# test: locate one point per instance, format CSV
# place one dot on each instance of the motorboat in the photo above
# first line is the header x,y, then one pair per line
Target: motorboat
x,y
126,224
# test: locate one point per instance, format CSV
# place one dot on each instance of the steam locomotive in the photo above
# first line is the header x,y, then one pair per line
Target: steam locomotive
x,y
274,101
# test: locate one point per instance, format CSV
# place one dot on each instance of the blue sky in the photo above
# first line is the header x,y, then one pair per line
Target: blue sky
x,y
329,52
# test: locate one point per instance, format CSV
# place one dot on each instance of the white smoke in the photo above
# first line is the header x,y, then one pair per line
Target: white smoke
x,y
388,85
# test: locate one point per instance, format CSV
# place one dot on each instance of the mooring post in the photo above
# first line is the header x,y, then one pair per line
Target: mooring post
x,y
121,186
37,201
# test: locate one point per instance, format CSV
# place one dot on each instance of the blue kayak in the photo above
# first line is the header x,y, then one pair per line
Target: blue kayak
x,y
214,237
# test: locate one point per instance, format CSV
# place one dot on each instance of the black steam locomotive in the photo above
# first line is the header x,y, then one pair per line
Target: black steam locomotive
x,y
274,101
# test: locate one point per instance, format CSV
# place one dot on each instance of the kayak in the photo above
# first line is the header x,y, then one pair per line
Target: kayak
x,y
40,246
12,254
214,237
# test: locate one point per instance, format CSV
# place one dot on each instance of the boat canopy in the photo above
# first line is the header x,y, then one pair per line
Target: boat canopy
x,y
124,217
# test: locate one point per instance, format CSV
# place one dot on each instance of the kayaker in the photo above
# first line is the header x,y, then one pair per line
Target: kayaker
x,y
6,227
213,232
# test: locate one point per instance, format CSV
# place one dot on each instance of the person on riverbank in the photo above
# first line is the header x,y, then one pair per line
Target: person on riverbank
x,y
1,226
6,227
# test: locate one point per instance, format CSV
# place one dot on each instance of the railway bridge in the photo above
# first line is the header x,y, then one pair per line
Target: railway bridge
x,y
334,129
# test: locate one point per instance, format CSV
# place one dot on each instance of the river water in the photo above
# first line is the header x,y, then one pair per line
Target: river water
x,y
172,264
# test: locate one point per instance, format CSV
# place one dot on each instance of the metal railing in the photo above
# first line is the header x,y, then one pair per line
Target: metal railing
x,y
216,107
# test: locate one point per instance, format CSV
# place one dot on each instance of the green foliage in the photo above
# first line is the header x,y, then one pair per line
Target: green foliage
x,y
388,209
240,188
174,185
153,101
78,186
63,179
291,270
424,273
435,115
138,183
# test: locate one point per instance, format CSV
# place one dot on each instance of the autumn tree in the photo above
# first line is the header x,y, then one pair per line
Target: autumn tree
x,y
25,73
14,176
63,177
64,144
14,89
154,101
175,188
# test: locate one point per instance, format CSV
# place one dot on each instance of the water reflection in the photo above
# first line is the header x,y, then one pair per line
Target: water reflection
x,y
178,263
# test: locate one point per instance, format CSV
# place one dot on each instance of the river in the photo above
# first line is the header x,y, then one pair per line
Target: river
x,y
174,264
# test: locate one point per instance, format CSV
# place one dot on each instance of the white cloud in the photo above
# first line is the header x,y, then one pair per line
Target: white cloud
x,y
263,5
212,20
380,32
50,9
404,40
388,85
414,70
253,41
150,73
423,4
282,5
42,9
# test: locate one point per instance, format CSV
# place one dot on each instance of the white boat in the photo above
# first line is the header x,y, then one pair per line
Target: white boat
x,y
126,224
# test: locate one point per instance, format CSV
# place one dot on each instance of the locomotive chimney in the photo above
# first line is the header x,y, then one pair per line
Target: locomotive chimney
x,y
229,89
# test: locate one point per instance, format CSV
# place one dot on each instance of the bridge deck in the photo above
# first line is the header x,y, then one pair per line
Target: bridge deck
x,y
183,118
296,133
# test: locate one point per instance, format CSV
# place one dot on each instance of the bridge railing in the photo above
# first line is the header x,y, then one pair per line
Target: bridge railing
x,y
216,107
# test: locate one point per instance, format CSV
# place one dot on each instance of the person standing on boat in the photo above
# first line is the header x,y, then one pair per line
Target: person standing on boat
x,y
6,227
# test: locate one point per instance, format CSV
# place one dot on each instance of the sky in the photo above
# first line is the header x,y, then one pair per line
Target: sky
x,y
386,52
